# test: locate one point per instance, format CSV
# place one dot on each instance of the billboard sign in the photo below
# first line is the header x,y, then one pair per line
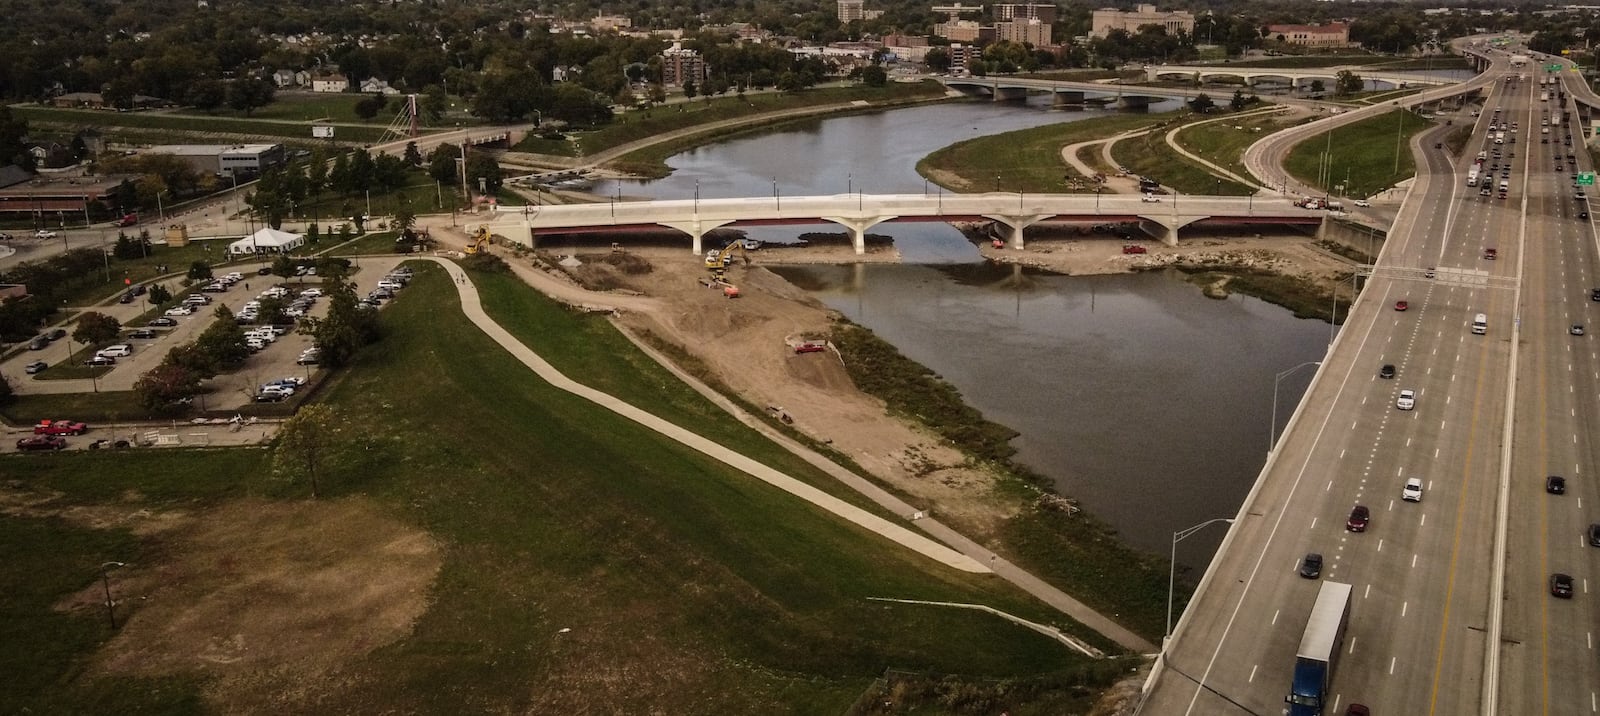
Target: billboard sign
x,y
321,131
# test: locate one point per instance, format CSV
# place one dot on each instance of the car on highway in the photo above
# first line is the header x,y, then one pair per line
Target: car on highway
x,y
1555,485
1357,710
1594,294
1149,198
1407,400
1359,517
1490,254
1363,203
1561,586
160,322
1311,566
1412,492
37,366
184,310
1576,329
44,234
59,427
1401,305
1594,534
1428,273
42,442
1387,371
1583,214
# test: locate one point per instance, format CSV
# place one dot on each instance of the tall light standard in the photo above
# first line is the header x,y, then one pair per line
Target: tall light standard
x,y
697,196
1272,429
776,198
105,583
1172,570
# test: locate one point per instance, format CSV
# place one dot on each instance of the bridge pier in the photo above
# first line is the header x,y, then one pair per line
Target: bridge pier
x,y
1010,94
1068,98
696,229
1016,223
858,226
1133,102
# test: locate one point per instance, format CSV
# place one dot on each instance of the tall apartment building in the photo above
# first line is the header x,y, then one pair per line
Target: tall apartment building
x,y
1007,12
1032,31
852,10
963,31
680,65
1104,20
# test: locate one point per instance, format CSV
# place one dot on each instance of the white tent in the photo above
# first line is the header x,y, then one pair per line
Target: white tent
x,y
267,241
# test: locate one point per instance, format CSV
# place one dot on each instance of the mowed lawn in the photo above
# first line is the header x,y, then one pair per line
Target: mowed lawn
x,y
1362,156
687,587
1027,159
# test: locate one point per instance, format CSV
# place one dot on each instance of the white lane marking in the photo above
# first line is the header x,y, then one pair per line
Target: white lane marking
x,y
1413,560
1367,592
1275,617
1314,520
1380,549
1424,519
1253,672
1391,665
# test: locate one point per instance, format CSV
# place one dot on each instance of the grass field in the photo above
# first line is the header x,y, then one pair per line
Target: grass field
x,y
1222,143
1027,159
339,108
185,123
1150,155
1364,156
687,588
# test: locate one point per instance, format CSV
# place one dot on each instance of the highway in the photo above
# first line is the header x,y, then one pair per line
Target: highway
x,y
1425,574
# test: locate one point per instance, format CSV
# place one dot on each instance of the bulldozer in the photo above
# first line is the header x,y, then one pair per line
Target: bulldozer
x,y
480,241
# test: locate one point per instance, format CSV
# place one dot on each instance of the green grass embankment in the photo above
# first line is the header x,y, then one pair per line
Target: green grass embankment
x,y
1150,155
1225,142
184,123
1027,159
733,597
1361,156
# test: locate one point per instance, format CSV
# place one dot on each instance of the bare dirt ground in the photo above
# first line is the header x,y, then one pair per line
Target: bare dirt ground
x,y
1075,254
270,600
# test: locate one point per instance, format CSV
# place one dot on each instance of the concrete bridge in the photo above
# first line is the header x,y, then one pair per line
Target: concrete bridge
x,y
859,212
1003,89
1250,75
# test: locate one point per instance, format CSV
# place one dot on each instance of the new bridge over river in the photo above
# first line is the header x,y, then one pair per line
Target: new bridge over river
x,y
859,212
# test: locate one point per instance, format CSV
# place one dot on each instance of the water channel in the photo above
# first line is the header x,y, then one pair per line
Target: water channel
x,y
1138,396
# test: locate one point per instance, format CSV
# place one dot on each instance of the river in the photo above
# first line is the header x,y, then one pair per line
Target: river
x,y
1138,396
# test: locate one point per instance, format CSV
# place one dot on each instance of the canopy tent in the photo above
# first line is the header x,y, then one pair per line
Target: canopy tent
x,y
267,241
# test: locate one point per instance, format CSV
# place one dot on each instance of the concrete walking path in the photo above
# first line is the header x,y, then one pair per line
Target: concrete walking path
x,y
1069,154
472,306
1218,170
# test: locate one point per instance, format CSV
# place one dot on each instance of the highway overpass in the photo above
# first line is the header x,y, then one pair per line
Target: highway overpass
x,y
1250,74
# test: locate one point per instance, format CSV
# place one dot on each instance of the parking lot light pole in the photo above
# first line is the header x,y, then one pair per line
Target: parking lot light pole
x,y
1272,428
1172,571
105,583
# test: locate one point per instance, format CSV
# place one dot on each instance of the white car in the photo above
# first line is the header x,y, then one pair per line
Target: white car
x,y
43,234
1149,198
1412,492
311,292
1363,203
1407,400
180,311
121,350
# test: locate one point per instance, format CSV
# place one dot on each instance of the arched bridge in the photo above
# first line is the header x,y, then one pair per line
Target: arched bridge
x,y
1156,73
860,212
1003,88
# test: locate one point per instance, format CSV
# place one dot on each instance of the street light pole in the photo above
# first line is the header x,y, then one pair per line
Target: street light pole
x,y
105,583
1172,570
1272,428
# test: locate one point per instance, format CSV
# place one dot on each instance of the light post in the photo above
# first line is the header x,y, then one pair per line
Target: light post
x,y
1172,570
105,583
776,198
160,209
1097,197
1272,428
849,183
697,196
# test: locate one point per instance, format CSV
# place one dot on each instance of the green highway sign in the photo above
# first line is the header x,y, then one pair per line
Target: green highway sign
x,y
1552,68
1585,178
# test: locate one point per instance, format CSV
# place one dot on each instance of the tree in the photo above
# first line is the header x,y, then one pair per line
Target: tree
x,y
249,94
223,341
166,385
434,103
159,294
369,107
283,266
317,172
689,90
1238,102
1202,103
874,76
1347,82
413,156
304,442
206,94
483,173
7,393
1317,87
199,271
346,327
95,329
442,163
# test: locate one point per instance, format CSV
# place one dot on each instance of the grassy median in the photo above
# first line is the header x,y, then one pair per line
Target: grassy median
x,y
1027,159
1366,157
686,587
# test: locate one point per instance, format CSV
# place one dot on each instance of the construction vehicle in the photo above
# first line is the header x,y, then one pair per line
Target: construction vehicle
x,y
721,259
480,241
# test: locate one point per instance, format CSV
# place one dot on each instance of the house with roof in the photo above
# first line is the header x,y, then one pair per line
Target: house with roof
x,y
330,83
373,85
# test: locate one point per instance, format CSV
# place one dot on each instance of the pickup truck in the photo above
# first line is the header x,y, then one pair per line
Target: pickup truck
x,y
44,234
59,427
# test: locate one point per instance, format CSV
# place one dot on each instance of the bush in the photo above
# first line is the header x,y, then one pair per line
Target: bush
x,y
488,263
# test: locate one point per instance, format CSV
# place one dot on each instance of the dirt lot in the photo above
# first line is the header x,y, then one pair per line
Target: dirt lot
x,y
321,582
748,342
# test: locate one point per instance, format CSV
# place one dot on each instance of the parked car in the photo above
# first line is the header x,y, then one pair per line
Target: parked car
x,y
1490,254
59,427
271,397
42,442
40,343
311,292
184,310
197,300
1363,203
120,350
37,366
160,322
127,298
44,234
811,347
100,361
1133,249
142,333
1149,198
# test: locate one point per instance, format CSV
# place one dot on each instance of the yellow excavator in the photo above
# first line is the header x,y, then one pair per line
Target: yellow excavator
x,y
480,241
721,259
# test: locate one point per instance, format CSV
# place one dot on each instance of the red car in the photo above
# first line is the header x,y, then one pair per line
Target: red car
x,y
59,427
1401,305
42,442
1359,517
128,220
810,347
1133,249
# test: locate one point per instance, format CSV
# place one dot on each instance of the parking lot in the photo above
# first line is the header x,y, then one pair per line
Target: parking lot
x,y
227,391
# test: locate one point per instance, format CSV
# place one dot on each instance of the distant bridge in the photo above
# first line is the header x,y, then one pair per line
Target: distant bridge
x,y
1003,88
859,212
1249,74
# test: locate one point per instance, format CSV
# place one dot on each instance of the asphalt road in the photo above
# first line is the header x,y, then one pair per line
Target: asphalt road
x,y
1423,572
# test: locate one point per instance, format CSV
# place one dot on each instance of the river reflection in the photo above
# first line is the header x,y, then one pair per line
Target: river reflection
x,y
1137,395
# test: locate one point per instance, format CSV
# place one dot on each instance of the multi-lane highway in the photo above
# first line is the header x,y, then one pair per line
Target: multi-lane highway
x,y
1427,575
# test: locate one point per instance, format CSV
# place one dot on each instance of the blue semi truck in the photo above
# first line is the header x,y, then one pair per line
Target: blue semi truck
x,y
1319,651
